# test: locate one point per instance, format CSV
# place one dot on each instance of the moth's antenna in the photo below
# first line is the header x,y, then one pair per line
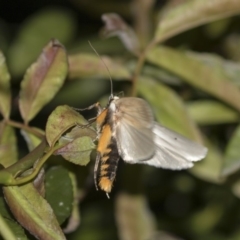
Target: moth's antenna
x,y
111,81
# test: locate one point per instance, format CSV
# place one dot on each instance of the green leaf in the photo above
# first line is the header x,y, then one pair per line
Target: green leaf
x,y
231,46
232,154
217,28
33,212
59,121
77,132
81,93
207,218
209,168
35,32
78,151
236,188
5,94
202,112
134,218
111,46
160,74
10,230
43,80
191,14
3,207
236,235
222,67
8,145
59,192
196,73
74,219
168,107
14,227
86,65
77,145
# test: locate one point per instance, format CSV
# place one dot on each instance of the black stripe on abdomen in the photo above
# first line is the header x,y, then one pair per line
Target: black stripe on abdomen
x,y
108,166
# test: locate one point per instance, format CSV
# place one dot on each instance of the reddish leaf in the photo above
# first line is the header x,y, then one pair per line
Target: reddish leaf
x,y
43,80
33,212
115,26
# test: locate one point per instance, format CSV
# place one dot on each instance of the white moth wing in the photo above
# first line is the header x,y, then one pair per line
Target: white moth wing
x,y
173,151
134,144
133,123
140,140
168,160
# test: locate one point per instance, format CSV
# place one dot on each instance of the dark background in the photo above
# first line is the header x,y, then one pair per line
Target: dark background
x,y
180,203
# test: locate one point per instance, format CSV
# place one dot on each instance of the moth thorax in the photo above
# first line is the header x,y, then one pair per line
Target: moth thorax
x,y
112,107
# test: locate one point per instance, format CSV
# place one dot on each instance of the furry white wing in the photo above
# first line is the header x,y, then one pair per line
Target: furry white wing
x,y
133,129
173,151
134,144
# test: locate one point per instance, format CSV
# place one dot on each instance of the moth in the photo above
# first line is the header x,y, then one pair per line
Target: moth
x,y
126,129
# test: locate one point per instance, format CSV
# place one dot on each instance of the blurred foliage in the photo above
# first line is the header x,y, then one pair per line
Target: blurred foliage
x,y
182,56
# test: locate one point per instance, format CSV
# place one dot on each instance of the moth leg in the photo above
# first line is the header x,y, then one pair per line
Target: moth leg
x,y
96,169
91,120
95,105
87,108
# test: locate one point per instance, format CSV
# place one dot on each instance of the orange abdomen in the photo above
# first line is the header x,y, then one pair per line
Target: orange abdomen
x,y
109,157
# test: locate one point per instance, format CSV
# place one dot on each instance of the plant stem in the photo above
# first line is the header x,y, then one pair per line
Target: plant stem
x,y
36,168
35,131
8,175
139,67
